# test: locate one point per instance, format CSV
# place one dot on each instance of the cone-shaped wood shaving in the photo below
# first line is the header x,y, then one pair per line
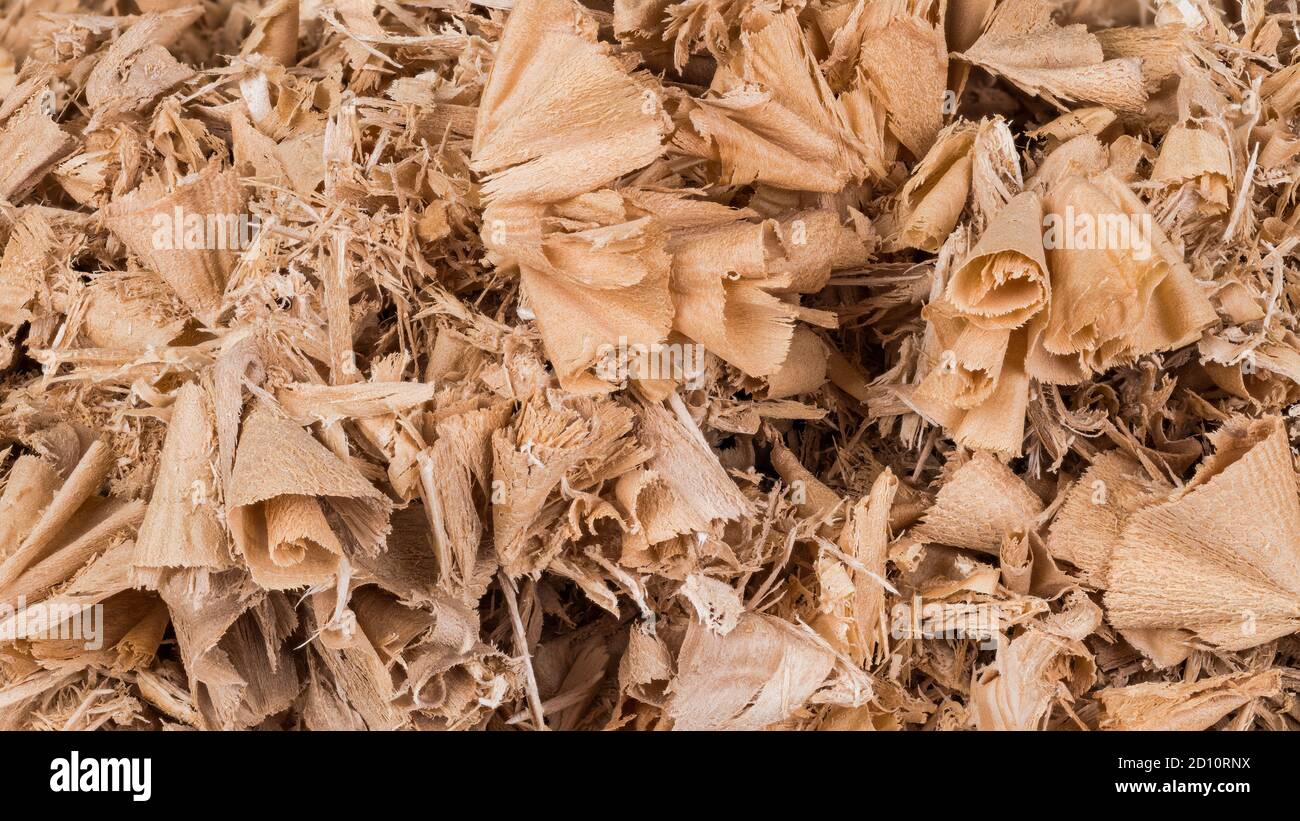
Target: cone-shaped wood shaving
x,y
1202,561
552,364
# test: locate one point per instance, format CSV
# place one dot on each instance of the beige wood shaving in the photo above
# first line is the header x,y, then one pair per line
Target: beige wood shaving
x,y
649,365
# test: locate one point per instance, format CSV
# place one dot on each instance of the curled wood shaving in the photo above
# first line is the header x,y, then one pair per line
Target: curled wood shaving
x,y
713,364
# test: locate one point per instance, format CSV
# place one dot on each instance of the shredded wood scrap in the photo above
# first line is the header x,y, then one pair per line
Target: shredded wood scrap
x,y
529,364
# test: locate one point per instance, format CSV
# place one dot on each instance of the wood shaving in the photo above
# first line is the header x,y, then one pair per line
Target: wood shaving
x,y
649,365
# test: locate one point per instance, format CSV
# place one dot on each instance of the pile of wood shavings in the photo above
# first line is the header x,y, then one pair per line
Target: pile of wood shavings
x,y
879,364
